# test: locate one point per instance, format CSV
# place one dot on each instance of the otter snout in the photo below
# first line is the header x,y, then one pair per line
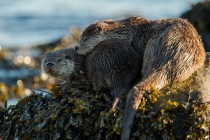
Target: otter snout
x,y
80,51
48,67
76,48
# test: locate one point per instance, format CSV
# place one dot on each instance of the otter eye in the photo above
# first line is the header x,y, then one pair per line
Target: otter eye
x,y
84,39
99,29
67,57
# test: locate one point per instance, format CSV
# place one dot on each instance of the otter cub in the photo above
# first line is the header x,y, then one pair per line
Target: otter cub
x,y
62,64
112,62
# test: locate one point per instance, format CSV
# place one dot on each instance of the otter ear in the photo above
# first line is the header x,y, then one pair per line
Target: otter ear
x,y
101,26
98,29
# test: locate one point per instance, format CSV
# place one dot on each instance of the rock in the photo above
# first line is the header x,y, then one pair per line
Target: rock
x,y
199,17
179,111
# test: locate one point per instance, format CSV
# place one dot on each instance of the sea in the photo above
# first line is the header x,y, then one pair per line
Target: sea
x,y
34,22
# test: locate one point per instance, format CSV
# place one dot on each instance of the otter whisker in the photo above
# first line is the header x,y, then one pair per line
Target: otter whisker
x,y
36,72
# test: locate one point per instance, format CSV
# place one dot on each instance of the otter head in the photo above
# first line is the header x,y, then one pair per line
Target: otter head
x,y
59,64
98,32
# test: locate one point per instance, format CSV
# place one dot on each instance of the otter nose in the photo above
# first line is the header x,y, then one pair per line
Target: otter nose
x,y
76,47
49,64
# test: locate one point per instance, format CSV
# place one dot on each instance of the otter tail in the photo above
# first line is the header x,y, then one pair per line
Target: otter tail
x,y
132,103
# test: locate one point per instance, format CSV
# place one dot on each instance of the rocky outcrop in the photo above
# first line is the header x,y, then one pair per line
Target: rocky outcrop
x,y
179,111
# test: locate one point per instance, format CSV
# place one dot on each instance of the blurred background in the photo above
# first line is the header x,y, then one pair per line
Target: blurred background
x,y
30,28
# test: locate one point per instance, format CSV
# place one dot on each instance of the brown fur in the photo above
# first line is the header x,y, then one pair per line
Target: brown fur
x,y
170,50
111,62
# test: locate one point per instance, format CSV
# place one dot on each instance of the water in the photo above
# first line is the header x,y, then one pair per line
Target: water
x,y
31,22
12,101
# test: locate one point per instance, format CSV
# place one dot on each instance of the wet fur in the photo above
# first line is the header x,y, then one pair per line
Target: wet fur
x,y
111,62
63,63
114,63
170,50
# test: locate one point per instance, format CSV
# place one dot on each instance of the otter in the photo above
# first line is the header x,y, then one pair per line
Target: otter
x,y
111,62
170,51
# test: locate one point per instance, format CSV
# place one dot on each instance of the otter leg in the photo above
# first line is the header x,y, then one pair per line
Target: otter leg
x,y
120,84
118,93
133,101
130,112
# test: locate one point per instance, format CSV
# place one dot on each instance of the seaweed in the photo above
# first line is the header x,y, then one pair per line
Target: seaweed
x,y
75,111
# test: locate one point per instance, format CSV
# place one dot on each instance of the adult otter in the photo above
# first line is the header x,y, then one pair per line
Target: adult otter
x,y
112,61
170,50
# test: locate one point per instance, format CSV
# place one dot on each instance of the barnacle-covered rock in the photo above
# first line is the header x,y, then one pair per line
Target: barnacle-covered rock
x,y
75,111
